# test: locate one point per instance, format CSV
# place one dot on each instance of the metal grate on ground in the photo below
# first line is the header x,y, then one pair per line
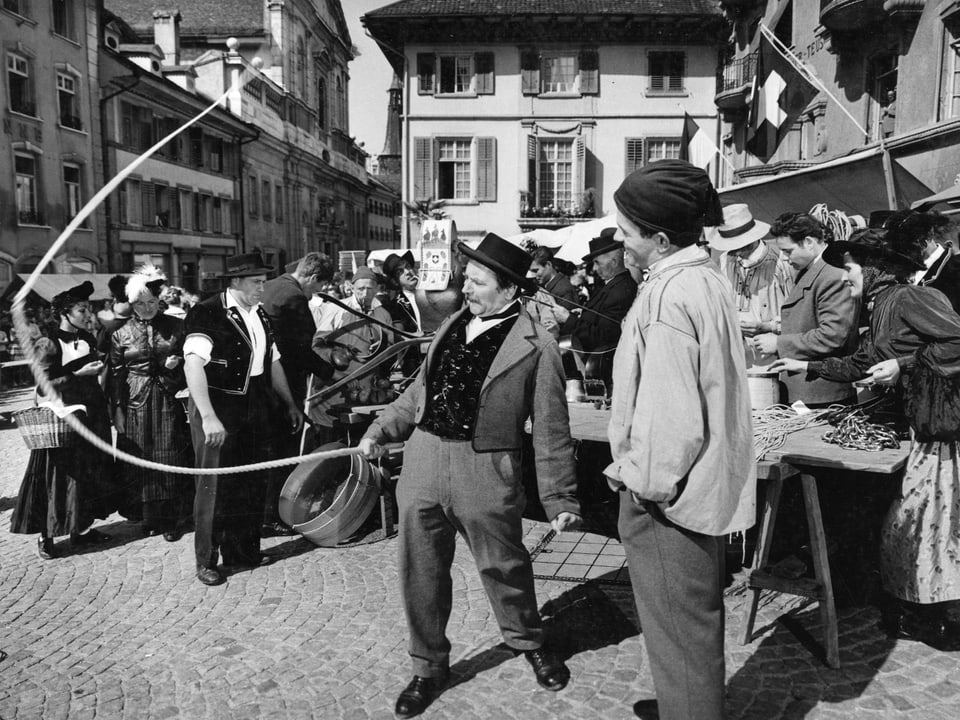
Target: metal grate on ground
x,y
578,557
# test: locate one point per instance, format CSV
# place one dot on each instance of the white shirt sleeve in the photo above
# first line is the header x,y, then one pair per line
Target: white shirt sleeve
x,y
199,345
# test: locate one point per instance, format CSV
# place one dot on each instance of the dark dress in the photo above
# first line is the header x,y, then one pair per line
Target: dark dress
x,y
65,489
151,422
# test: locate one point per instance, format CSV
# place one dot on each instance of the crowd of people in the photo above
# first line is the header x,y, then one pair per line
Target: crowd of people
x,y
671,308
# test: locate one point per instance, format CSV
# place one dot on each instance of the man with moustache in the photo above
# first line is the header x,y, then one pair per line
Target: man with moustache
x,y
488,369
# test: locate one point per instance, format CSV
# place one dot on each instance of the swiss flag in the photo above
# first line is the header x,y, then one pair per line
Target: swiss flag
x,y
780,94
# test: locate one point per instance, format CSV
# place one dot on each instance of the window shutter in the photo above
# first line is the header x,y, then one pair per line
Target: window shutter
x,y
589,72
580,151
173,204
483,63
422,168
487,169
634,159
148,203
186,209
530,72
425,73
532,170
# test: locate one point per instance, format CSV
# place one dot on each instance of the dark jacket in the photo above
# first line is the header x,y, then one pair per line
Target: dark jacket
x,y
600,329
818,320
288,309
231,358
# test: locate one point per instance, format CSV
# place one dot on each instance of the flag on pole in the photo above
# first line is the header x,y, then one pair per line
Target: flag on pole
x,y
780,93
696,147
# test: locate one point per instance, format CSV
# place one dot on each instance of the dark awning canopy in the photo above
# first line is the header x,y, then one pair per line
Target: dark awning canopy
x,y
854,184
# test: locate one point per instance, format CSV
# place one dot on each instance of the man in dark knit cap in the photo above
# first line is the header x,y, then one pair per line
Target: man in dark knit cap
x,y
680,435
488,369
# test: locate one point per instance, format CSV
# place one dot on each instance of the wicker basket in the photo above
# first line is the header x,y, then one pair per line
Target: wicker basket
x,y
42,429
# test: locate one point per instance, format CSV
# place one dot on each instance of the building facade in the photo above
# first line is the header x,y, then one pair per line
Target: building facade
x,y
50,142
181,210
304,178
520,118
885,130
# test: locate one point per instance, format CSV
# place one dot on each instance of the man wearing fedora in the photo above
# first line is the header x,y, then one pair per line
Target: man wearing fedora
x,y
488,369
597,329
758,274
237,387
680,435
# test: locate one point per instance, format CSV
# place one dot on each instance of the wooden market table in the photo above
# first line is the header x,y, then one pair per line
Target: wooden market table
x,y
801,452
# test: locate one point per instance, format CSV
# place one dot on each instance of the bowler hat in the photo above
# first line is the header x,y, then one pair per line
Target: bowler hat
x,y
393,263
603,244
245,265
738,230
504,258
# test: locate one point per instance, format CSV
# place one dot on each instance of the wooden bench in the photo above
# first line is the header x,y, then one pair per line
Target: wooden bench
x,y
10,364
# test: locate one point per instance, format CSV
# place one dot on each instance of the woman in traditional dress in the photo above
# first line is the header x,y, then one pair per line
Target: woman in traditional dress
x,y
65,489
913,340
145,374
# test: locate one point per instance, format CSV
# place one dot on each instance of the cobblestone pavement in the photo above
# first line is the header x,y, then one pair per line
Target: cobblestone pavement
x,y
127,632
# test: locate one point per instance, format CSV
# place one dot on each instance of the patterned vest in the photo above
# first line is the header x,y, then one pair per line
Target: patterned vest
x,y
453,388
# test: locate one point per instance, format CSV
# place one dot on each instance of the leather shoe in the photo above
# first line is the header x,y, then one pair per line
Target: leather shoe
x,y
173,535
418,695
552,673
209,576
646,710
91,537
275,529
45,548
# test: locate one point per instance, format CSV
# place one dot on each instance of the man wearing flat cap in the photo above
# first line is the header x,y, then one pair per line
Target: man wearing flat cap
x,y
237,390
758,273
680,435
488,369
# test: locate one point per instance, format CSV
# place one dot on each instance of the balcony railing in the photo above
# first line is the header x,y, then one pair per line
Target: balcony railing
x,y
71,121
734,80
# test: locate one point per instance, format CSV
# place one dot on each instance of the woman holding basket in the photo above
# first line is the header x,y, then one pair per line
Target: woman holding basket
x,y
65,489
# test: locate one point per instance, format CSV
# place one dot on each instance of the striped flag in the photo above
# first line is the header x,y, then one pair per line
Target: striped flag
x,y
781,92
696,147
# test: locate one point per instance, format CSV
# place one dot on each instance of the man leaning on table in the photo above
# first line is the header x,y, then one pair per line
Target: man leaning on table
x,y
680,435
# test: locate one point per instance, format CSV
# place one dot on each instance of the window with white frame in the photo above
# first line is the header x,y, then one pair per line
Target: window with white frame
x,y
27,189
72,189
455,73
950,82
662,149
454,169
558,73
69,105
20,85
666,70
63,18
463,169
555,173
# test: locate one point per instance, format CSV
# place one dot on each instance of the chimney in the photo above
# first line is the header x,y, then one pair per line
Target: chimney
x,y
166,34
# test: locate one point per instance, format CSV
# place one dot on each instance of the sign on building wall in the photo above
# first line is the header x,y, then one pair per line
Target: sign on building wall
x,y
435,247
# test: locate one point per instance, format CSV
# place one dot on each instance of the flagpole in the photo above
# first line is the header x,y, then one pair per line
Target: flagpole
x,y
801,67
716,148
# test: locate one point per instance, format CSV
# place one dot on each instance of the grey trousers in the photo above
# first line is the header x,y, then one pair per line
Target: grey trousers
x,y
677,578
446,488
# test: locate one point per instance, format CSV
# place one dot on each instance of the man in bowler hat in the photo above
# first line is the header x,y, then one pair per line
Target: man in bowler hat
x,y
680,435
237,389
488,369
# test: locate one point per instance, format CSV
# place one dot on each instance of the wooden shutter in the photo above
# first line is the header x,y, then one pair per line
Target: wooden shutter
x,y
173,206
483,64
487,169
422,168
186,209
425,73
634,158
148,204
532,170
580,157
530,72
589,72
